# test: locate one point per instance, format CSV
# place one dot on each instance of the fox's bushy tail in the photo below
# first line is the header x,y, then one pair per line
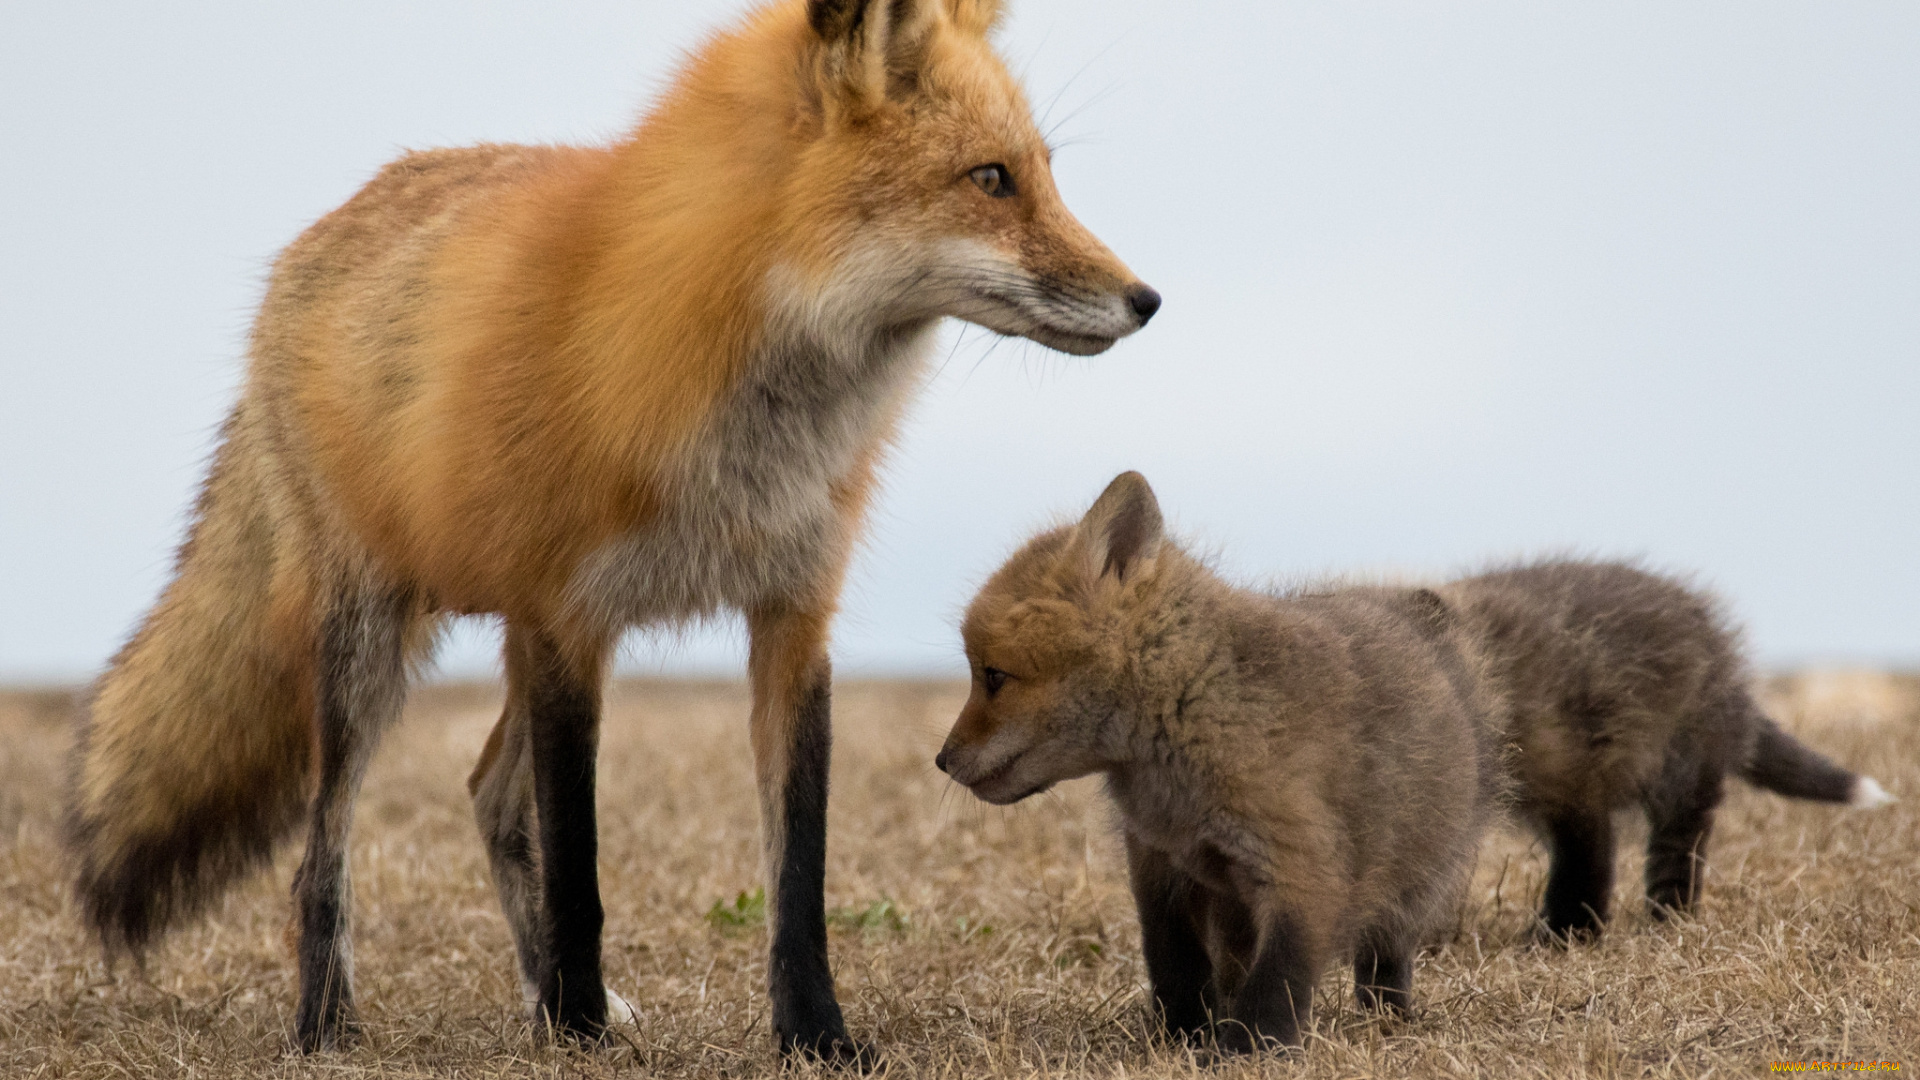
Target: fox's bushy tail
x,y
1783,764
194,757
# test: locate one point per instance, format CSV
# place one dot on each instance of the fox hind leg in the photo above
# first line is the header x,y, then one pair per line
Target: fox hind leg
x,y
1680,819
362,674
503,804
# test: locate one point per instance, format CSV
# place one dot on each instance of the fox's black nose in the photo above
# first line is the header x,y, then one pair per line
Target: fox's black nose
x,y
1144,302
940,761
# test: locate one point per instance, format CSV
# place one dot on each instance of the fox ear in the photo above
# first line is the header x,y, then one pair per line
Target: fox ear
x,y
869,47
977,17
1123,530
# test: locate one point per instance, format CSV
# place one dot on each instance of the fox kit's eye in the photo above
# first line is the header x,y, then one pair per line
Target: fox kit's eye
x,y
995,180
993,679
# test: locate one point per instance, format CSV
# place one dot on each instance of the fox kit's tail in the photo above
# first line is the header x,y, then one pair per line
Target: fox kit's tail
x,y
1784,764
195,755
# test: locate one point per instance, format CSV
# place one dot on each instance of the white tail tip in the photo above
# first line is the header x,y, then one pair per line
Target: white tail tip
x,y
1867,794
619,1012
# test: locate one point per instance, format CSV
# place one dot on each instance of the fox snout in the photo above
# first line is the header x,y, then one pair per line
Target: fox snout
x,y
960,756
993,770
1082,298
957,761
1144,301
989,781
1097,331
1079,306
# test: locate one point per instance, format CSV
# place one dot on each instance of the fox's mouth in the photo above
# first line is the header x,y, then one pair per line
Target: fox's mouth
x,y
1027,794
1069,342
998,773
1007,317
1070,323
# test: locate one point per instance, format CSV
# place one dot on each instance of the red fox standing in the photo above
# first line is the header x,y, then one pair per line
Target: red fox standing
x,y
586,389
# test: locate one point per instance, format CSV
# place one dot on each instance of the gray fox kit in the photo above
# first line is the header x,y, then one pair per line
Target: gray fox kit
x,y
1300,778
1623,688
1306,776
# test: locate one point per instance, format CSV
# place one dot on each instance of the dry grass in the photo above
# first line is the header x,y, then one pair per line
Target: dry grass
x,y
1017,954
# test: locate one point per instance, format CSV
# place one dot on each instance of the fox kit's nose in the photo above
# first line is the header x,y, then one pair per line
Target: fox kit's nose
x,y
940,761
1144,301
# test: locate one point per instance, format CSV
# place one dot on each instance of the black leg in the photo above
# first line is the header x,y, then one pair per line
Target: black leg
x,y
793,745
1276,1000
1178,966
1383,974
361,681
564,716
1679,826
804,1005
1580,878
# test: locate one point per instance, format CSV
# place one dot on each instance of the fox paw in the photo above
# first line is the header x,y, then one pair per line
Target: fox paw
x,y
619,1012
833,1051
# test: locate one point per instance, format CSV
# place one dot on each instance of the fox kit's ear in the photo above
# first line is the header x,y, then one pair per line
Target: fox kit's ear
x,y
869,47
975,16
1123,530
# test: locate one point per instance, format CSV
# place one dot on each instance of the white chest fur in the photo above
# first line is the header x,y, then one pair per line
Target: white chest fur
x,y
747,516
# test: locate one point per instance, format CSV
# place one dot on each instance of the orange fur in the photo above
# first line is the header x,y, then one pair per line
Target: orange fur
x,y
592,308
584,388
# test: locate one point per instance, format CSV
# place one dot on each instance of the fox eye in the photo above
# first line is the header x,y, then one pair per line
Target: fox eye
x,y
995,180
993,678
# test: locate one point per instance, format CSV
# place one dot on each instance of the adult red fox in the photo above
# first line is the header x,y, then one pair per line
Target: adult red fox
x,y
585,389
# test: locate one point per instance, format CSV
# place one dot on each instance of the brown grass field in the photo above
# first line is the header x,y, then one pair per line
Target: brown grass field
x,y
968,941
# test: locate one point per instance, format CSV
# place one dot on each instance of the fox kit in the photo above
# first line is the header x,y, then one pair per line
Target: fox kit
x,y
1626,689
1299,778
586,389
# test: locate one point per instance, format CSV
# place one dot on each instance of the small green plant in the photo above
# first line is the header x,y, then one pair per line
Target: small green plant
x,y
747,911
1080,952
882,914
972,928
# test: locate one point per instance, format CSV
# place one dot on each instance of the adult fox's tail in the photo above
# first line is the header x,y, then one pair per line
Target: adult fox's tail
x,y
194,758
1783,764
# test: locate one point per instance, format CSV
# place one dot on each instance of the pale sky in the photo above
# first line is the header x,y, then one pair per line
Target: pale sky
x,y
1445,282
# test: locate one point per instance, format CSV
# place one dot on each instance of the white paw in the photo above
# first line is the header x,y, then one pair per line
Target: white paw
x,y
618,1011
1867,794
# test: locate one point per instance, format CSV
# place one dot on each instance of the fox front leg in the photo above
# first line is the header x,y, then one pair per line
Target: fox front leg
x,y
1579,877
1276,1000
1178,967
792,744
1383,972
563,712
502,786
